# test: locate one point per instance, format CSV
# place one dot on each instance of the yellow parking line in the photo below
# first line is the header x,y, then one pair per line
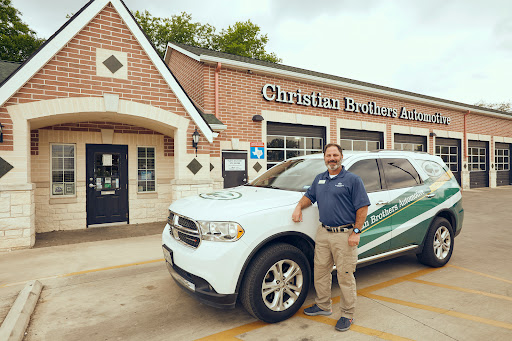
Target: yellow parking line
x,y
231,333
396,280
84,272
462,289
111,267
441,311
479,273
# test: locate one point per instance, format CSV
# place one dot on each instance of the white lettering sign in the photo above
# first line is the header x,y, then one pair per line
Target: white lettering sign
x,y
272,92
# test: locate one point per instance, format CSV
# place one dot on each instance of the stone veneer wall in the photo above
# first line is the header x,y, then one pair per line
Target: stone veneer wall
x,y
17,214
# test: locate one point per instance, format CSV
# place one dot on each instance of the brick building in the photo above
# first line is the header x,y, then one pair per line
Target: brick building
x,y
98,129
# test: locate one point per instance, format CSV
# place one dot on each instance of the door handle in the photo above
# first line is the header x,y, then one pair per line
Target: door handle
x,y
431,195
92,185
381,202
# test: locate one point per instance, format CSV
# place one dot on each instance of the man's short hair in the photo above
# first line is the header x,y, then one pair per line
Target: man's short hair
x,y
334,145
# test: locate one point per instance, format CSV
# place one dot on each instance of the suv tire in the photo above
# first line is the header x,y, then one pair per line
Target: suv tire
x,y
276,283
438,246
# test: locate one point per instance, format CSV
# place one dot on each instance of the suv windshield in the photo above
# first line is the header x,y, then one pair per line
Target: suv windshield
x,y
291,175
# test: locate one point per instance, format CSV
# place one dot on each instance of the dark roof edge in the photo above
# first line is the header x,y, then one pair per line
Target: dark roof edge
x,y
199,51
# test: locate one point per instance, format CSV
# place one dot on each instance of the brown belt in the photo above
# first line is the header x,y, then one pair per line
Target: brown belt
x,y
342,228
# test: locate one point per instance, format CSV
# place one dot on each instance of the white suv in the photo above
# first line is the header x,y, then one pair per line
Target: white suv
x,y
241,243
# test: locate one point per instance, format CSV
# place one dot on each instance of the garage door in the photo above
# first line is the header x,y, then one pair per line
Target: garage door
x,y
478,164
285,141
449,151
352,139
502,164
413,143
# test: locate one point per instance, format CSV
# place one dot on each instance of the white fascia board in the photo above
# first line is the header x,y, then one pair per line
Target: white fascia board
x,y
218,127
49,50
182,50
331,82
164,71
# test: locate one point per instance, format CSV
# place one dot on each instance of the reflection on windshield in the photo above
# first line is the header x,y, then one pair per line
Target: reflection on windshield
x,y
292,175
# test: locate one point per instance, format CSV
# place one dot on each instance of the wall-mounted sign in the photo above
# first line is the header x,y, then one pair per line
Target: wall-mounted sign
x,y
107,160
234,165
257,150
274,93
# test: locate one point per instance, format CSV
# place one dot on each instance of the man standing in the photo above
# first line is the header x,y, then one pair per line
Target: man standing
x,y
343,206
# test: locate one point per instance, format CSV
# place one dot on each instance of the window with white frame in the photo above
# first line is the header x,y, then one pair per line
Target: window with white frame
x,y
502,159
146,170
413,147
280,148
348,144
63,169
476,159
449,154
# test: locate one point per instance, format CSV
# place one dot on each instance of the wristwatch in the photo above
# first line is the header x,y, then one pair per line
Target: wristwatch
x,y
356,230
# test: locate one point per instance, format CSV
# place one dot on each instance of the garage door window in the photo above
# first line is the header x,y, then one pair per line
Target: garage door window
x,y
502,159
348,144
476,158
413,147
449,155
280,148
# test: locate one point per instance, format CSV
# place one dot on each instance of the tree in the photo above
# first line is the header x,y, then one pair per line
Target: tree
x,y
17,40
502,106
243,38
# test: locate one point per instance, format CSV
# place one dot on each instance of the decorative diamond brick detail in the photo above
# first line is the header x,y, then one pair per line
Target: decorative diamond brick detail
x,y
257,167
211,167
5,167
194,166
113,64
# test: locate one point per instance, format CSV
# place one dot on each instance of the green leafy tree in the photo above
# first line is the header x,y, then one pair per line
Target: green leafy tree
x,y
243,38
17,40
178,29
501,106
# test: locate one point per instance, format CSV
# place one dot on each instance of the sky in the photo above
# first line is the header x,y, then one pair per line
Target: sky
x,y
458,50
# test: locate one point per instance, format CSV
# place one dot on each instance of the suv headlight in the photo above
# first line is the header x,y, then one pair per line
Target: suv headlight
x,y
221,231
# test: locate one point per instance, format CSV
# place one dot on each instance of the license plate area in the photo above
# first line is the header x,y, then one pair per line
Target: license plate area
x,y
168,255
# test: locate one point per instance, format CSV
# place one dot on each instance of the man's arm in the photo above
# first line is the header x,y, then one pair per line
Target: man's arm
x,y
297,212
361,213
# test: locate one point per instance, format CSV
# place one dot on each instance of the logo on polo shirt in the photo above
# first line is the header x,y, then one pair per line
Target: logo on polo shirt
x,y
339,184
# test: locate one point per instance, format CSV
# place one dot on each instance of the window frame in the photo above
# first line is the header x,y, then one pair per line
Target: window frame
x,y
505,155
470,159
448,162
409,150
63,169
352,143
154,170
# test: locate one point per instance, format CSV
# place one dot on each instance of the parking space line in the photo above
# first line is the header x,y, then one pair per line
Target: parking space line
x,y
83,272
480,273
231,333
397,280
441,311
462,289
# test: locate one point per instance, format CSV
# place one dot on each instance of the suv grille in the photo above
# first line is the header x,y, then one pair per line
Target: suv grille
x,y
184,230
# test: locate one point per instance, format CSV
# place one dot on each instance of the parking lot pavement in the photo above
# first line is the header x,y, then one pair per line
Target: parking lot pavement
x,y
120,290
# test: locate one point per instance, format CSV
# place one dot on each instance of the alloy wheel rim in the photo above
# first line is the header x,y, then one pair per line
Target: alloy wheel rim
x,y
442,242
282,285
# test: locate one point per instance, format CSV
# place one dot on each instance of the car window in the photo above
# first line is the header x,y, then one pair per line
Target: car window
x,y
435,171
291,175
368,171
400,173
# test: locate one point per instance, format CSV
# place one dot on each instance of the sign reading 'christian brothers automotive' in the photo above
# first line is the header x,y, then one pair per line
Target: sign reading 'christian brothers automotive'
x,y
272,92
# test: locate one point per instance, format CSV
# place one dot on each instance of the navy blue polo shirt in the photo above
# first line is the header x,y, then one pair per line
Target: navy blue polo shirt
x,y
338,198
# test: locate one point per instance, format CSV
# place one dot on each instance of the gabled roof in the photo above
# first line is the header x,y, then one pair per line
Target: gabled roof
x,y
206,55
72,27
6,68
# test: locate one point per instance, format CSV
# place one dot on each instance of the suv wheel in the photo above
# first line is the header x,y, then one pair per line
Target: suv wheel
x,y
276,283
438,246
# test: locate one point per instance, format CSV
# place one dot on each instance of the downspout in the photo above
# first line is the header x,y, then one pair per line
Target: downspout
x,y
465,136
217,71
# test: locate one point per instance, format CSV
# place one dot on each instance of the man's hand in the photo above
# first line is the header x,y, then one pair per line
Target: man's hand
x,y
353,239
297,214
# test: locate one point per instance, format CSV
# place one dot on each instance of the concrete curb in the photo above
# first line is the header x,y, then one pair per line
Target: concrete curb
x,y
16,321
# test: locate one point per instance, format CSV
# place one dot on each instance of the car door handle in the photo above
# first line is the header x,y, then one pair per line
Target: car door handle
x,y
431,195
382,202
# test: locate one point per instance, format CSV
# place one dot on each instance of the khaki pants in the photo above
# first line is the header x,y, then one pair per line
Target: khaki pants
x,y
332,248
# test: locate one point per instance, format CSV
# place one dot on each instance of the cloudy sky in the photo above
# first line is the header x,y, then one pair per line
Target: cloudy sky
x,y
458,50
